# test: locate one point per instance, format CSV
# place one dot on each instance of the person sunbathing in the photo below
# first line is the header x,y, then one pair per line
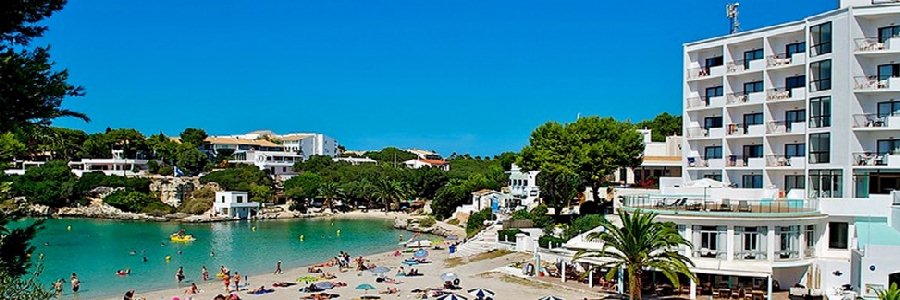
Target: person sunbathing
x,y
283,284
327,276
314,270
390,290
193,290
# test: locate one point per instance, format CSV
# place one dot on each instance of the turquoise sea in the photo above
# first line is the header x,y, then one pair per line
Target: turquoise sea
x,y
95,249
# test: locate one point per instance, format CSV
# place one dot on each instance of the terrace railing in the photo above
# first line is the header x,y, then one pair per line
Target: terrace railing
x,y
701,205
868,44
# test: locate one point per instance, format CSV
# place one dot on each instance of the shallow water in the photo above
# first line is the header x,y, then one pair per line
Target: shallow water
x,y
95,249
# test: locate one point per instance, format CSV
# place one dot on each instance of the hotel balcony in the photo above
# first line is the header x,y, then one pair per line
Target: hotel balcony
x,y
781,161
785,94
783,60
706,71
874,83
704,102
704,206
702,162
874,159
737,129
876,122
872,45
740,98
700,132
782,127
741,65
740,161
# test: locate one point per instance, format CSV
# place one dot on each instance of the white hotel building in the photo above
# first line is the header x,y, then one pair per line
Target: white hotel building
x,y
798,127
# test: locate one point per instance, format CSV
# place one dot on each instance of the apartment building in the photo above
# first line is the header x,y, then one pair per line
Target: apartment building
x,y
791,147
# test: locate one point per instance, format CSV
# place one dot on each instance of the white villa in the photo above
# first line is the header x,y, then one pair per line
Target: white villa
x,y
356,160
523,189
661,159
235,205
117,165
484,199
428,159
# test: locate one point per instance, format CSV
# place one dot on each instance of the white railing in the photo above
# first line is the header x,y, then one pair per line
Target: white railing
x,y
868,44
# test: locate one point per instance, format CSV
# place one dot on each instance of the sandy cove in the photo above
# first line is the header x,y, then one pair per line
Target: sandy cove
x,y
477,274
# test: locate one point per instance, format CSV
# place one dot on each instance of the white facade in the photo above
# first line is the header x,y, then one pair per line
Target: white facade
x,y
427,163
484,199
117,165
234,205
271,152
309,144
660,159
274,162
356,160
523,187
800,120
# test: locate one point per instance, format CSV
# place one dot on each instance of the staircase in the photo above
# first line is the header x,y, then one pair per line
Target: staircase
x,y
484,241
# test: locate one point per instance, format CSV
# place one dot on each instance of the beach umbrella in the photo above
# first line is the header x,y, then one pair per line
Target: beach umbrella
x,y
418,244
365,286
449,276
307,279
380,270
551,297
451,296
325,285
481,293
410,263
421,253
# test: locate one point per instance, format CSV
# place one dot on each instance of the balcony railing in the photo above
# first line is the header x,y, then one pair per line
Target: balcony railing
x,y
870,120
736,66
700,72
870,83
781,160
697,102
697,132
697,162
741,97
700,205
885,1
780,59
870,159
775,127
779,93
868,44
710,253
750,255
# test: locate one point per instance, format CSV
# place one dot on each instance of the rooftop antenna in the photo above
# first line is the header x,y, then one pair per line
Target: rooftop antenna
x,y
731,11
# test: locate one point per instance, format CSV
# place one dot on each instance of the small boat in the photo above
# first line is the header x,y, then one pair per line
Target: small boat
x,y
181,237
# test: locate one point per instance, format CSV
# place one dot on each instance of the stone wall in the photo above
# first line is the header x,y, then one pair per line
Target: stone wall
x,y
172,190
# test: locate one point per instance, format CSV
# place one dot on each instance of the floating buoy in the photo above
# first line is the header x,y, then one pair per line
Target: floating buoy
x,y
301,237
339,232
253,228
168,258
69,228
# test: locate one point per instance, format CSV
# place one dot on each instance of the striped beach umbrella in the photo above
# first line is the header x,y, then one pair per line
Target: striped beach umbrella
x,y
551,297
451,296
481,293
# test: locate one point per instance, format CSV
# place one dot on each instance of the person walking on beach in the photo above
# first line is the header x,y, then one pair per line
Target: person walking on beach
x,y
204,273
179,275
58,287
76,284
237,281
226,279
278,268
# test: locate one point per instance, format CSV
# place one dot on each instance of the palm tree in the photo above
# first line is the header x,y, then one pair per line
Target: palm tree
x,y
362,189
640,243
329,191
390,191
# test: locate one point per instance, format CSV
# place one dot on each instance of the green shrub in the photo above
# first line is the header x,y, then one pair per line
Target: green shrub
x,y
196,206
51,184
157,208
92,180
130,201
427,221
544,241
476,221
508,235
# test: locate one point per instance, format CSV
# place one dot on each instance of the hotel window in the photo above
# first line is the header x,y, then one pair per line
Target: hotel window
x,y
794,116
794,150
714,62
788,242
888,147
821,74
240,199
750,242
820,148
712,152
885,33
716,177
820,112
714,91
888,71
825,184
809,234
888,108
792,48
708,239
752,151
821,36
751,56
794,82
712,122
794,182
837,235
753,87
753,119
751,181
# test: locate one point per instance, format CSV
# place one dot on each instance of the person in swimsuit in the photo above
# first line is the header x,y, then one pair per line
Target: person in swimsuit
x,y
237,281
179,275
204,273
227,281
76,284
58,286
278,268
194,289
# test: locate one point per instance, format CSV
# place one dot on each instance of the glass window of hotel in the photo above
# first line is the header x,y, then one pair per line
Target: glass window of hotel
x,y
751,56
825,184
792,48
887,71
888,108
716,177
794,182
751,181
712,122
821,37
885,33
750,242
240,199
714,62
714,91
712,152
820,112
753,87
821,73
752,151
794,82
888,147
809,234
708,239
794,150
788,242
820,148
794,116
837,235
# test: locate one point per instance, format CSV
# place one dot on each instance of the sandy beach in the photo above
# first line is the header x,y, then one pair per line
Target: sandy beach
x,y
478,274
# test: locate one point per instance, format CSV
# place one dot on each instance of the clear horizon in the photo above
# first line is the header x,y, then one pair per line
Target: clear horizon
x,y
468,78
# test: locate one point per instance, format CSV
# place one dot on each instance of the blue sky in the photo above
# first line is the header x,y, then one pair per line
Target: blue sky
x,y
454,76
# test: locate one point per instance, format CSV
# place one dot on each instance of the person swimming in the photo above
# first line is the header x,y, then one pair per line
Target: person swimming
x,y
145,259
125,272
